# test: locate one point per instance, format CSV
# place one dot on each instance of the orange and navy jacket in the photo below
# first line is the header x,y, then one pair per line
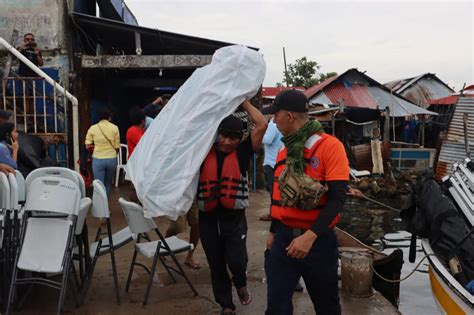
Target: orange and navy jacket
x,y
326,160
231,190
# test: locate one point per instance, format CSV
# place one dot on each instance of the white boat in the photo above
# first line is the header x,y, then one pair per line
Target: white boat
x,y
450,296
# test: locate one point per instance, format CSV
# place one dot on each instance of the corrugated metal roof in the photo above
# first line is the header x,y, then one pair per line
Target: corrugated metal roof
x,y
452,99
448,100
272,91
401,84
310,92
353,96
453,148
121,36
356,89
420,89
321,98
398,106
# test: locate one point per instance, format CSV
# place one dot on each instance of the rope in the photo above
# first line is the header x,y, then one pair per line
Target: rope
x,y
381,204
404,278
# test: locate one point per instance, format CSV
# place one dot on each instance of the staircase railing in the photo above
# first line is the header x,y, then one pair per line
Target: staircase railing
x,y
56,88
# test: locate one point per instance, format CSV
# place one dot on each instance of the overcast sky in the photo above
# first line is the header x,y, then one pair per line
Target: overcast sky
x,y
388,39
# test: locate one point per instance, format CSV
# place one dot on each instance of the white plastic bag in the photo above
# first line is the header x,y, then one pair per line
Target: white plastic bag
x,y
164,166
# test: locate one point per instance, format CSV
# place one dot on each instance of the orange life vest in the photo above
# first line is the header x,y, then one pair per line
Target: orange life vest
x,y
294,217
231,189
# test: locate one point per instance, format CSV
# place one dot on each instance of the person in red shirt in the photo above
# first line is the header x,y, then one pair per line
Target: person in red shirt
x,y
136,131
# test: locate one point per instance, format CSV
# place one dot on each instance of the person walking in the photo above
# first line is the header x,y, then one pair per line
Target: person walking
x,y
302,241
271,144
222,198
104,138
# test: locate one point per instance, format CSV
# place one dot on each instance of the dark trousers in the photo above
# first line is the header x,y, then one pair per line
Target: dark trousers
x,y
269,177
224,236
318,269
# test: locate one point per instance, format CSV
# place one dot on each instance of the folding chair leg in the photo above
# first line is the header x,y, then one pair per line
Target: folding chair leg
x,y
77,283
152,272
73,284
85,241
112,257
167,269
181,271
87,282
62,293
80,247
11,293
11,296
130,273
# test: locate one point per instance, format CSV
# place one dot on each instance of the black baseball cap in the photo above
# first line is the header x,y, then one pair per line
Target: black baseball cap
x,y
4,114
290,100
231,127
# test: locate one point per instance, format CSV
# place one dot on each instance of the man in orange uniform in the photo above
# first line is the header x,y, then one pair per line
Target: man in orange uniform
x,y
302,242
222,198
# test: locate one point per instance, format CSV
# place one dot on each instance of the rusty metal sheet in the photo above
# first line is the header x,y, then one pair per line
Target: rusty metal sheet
x,y
453,149
419,90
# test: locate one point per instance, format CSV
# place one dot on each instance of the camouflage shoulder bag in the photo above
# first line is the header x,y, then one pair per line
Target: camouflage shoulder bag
x,y
299,190
296,188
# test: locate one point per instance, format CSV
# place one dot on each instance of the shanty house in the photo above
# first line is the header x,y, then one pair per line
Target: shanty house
x,y
421,89
364,106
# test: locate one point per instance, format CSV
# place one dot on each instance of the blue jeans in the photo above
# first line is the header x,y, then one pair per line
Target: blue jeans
x,y
104,170
318,269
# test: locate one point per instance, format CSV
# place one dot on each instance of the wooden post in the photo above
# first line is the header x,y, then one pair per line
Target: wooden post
x,y
423,125
386,127
333,124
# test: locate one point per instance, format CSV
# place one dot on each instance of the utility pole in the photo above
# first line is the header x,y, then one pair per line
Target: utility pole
x,y
286,70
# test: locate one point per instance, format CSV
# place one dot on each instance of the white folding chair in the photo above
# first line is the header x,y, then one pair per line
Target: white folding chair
x,y
5,191
5,196
47,242
6,246
20,180
170,246
122,157
100,247
84,206
54,171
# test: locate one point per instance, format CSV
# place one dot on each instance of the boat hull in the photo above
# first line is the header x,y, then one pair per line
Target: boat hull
x,y
449,295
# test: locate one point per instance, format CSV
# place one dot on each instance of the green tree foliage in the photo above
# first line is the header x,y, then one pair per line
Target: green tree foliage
x,y
305,73
325,76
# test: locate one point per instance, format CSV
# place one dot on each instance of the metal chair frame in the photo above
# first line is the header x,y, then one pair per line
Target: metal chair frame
x,y
161,244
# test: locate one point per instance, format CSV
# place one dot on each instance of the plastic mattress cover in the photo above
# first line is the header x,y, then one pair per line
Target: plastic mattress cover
x,y
164,167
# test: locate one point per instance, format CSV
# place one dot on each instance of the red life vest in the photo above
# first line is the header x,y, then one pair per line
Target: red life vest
x,y
231,189
294,217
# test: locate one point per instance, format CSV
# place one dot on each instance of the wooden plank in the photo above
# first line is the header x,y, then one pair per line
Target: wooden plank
x,y
145,61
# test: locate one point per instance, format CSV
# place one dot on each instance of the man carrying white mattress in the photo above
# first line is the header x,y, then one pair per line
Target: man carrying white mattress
x,y
222,198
